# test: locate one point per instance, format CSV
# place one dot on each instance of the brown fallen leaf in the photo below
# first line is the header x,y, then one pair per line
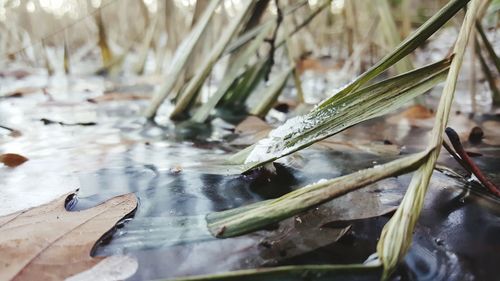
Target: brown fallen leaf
x,y
415,115
12,159
251,130
50,243
110,268
491,132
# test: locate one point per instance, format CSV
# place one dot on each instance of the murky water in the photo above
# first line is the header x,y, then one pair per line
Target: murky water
x,y
177,184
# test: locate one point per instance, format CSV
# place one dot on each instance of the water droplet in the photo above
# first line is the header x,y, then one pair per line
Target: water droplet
x,y
439,241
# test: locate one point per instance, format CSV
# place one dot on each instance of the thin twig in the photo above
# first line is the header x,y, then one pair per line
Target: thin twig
x,y
457,158
272,41
457,145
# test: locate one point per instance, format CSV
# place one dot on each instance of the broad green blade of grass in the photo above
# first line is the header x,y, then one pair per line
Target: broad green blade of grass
x,y
243,58
180,59
324,121
345,111
416,39
294,272
270,93
255,216
202,72
397,234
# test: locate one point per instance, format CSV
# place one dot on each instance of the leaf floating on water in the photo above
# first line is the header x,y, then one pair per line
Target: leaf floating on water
x,y
110,268
12,159
50,243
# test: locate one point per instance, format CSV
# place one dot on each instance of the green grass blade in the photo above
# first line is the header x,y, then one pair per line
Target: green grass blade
x,y
397,234
271,94
345,111
180,59
255,216
203,112
416,39
189,94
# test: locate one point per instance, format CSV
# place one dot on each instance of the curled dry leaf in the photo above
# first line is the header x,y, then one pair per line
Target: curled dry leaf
x,y
50,243
12,159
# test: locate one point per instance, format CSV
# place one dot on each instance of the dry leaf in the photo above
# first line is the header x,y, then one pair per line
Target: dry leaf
x,y
50,243
491,132
416,116
358,145
417,112
12,159
251,130
109,269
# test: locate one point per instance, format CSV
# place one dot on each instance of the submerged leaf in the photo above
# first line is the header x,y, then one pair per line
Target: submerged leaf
x,y
50,243
110,268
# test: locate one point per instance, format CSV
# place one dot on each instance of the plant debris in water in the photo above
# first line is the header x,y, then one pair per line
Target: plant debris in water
x,y
245,140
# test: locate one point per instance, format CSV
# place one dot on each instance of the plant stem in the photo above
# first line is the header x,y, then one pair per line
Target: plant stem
x,y
294,272
457,158
472,167
397,234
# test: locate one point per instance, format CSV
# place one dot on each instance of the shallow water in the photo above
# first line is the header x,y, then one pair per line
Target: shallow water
x,y
177,185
